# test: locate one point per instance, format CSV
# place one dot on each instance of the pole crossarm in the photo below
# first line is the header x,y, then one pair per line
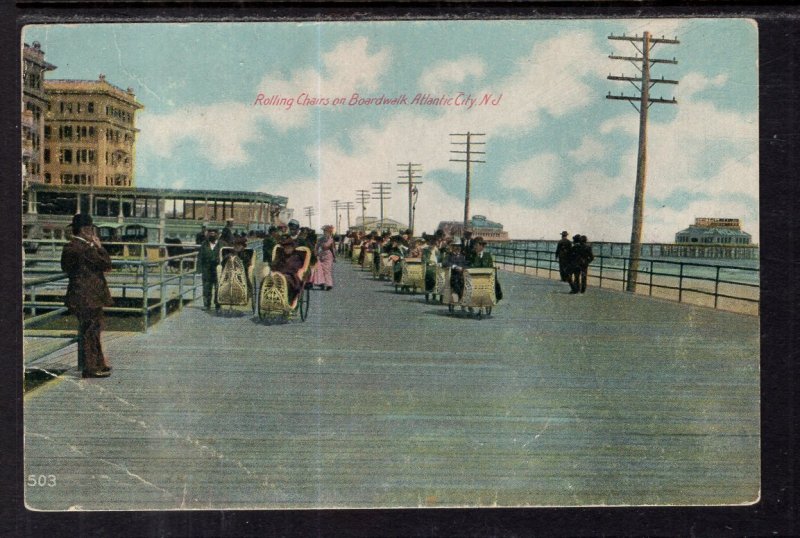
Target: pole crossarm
x,y
661,80
637,98
638,39
639,59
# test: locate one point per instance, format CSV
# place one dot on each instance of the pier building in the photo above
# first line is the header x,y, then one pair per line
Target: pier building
x,y
48,209
480,226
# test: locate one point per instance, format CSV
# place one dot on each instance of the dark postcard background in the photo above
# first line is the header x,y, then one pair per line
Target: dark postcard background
x,y
774,515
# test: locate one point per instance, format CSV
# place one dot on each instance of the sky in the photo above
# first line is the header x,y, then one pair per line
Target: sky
x,y
559,154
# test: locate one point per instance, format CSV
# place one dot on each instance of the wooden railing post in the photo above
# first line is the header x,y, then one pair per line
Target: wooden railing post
x,y
163,289
145,292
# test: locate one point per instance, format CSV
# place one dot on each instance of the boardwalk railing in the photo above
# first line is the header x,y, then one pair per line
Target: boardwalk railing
x,y
132,277
727,287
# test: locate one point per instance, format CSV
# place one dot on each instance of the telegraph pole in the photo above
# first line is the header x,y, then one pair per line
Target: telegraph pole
x,y
309,212
381,191
363,198
644,45
336,207
348,206
412,172
467,154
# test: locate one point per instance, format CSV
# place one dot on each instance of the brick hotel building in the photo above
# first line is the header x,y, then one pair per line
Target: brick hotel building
x,y
89,133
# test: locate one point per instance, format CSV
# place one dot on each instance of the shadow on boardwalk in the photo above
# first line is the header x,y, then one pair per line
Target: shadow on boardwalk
x,y
379,399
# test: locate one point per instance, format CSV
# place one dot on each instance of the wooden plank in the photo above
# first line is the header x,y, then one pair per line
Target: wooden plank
x,y
381,399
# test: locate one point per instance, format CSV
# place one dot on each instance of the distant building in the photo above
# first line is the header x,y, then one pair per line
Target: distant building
x,y
714,231
34,105
373,223
480,226
89,133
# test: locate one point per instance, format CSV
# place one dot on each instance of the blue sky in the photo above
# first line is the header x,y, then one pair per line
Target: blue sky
x,y
559,155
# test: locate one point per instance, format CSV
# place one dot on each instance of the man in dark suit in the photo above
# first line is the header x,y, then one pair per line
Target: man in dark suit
x,y
586,257
581,256
479,258
467,244
85,261
201,235
207,260
227,233
562,255
482,259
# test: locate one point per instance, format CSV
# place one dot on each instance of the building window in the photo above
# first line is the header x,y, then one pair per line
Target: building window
x,y
66,179
79,108
91,132
91,155
46,156
66,156
90,107
47,132
47,177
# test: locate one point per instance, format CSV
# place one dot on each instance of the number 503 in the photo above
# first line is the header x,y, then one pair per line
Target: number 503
x,y
41,480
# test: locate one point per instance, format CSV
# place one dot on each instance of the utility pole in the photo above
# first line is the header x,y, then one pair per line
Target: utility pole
x,y
348,206
643,84
336,208
309,212
381,191
363,197
467,154
412,172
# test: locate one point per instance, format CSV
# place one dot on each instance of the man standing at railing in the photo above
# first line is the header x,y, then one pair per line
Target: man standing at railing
x,y
563,248
85,261
207,260
582,256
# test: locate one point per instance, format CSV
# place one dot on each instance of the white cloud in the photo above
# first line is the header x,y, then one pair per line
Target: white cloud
x,y
538,175
349,67
446,76
222,130
692,83
218,131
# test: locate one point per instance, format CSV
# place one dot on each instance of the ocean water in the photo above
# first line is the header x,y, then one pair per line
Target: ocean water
x,y
737,271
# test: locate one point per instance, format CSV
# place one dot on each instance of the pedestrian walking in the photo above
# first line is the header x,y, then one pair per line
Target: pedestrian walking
x,y
326,257
86,261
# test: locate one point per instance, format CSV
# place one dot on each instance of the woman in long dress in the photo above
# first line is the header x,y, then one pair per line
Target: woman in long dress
x,y
326,256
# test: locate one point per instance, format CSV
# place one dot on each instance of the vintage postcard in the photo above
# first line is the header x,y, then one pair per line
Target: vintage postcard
x,y
391,264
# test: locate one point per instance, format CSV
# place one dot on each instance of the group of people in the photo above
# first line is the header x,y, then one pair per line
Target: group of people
x,y
574,258
287,260
86,261
434,250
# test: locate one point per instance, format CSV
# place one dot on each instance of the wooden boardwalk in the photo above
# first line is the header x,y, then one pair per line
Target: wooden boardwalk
x,y
383,400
